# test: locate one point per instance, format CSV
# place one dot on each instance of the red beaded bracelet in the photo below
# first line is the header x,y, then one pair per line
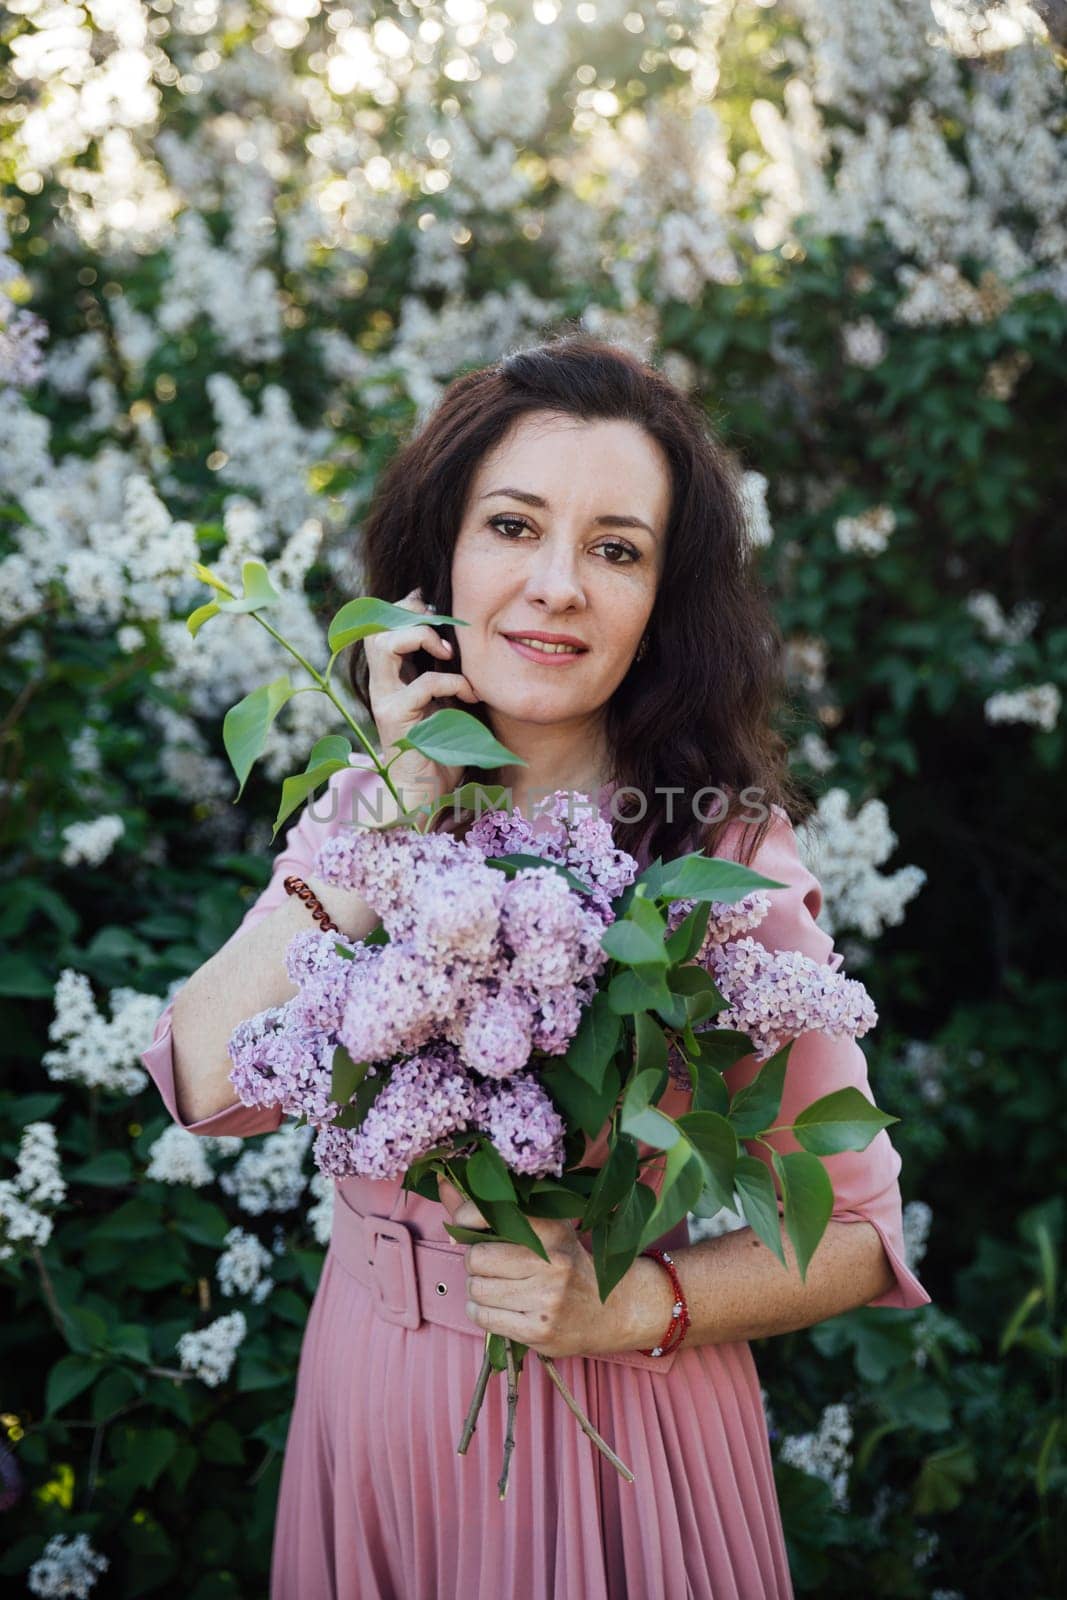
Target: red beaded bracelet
x,y
297,886
680,1312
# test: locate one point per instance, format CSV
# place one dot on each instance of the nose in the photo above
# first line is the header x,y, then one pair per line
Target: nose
x,y
553,580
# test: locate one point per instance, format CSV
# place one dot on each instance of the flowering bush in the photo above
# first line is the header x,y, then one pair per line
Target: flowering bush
x,y
243,248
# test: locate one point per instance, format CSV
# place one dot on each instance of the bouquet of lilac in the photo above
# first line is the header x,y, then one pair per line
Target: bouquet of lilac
x,y
524,990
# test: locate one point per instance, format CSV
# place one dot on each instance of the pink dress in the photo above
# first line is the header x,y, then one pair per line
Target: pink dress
x,y
375,1503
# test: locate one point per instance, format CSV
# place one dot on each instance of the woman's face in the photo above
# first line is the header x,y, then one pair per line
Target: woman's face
x,y
563,533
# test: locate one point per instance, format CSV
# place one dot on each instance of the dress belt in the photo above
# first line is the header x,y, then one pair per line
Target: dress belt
x,y
414,1280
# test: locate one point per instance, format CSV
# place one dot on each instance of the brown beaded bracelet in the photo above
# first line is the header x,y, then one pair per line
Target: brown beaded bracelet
x,y
297,886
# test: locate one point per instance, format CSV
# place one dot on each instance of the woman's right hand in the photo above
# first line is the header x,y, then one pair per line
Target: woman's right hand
x,y
399,701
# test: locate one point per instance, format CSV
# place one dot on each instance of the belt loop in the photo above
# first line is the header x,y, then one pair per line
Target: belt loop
x,y
391,1256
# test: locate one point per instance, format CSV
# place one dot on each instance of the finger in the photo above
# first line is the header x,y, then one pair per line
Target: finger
x,y
501,1294
451,1198
495,1258
413,698
468,1216
509,1324
403,641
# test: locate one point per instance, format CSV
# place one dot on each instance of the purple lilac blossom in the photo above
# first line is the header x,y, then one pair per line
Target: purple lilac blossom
x,y
774,995
494,1037
523,1124
278,1062
426,1098
397,1003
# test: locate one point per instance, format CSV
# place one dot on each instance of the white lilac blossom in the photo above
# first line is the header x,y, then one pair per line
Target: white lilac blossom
x,y
757,515
181,1157
67,1567
1038,705
272,1177
845,853
826,1452
242,1267
319,1217
209,1352
868,532
865,344
917,1217
997,627
95,1051
38,1182
90,843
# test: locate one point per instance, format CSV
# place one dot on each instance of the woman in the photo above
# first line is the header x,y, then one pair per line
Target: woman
x,y
572,496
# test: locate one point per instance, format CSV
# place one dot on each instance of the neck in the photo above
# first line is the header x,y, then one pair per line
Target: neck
x,y
573,757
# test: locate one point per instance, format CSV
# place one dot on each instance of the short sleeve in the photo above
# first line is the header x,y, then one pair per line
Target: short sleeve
x,y
350,796
865,1182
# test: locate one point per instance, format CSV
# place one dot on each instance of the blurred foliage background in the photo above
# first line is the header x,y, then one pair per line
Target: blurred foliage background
x,y
244,245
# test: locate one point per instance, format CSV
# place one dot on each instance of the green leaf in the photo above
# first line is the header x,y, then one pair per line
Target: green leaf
x,y
630,993
196,619
297,788
258,590
844,1120
207,576
69,1376
637,939
943,1478
594,1044
23,977
683,1181
108,1170
366,615
614,1181
580,1103
809,1199
700,877
759,1203
508,1222
454,738
246,725
346,1075
651,1044
615,1244
715,1142
488,1176
754,1108
511,865
688,936
640,1119
331,747
709,1089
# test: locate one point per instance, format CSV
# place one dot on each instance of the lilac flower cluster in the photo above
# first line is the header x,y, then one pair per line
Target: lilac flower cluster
x,y
480,971
774,995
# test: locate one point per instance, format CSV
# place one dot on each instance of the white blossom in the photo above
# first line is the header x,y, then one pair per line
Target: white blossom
x,y
272,1177
1038,705
38,1182
845,852
91,842
757,516
917,1217
865,344
67,1567
93,1050
868,532
242,1266
320,1215
825,1453
179,1156
210,1352
986,609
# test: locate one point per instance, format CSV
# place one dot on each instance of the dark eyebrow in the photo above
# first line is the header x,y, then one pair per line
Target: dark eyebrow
x,y
536,500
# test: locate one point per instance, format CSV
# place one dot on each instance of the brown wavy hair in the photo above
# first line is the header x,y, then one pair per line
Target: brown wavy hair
x,y
698,709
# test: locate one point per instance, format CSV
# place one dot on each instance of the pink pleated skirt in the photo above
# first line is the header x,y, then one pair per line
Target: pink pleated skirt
x,y
376,1503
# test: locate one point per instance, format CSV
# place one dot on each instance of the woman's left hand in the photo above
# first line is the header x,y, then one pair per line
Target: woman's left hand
x,y
553,1306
